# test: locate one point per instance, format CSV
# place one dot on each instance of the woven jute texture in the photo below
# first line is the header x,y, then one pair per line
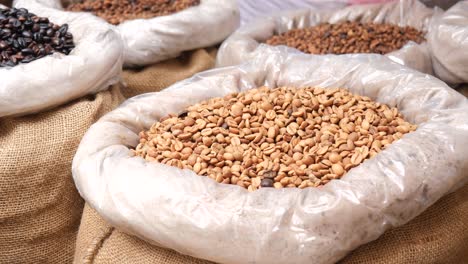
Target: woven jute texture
x,y
159,76
6,2
40,209
437,236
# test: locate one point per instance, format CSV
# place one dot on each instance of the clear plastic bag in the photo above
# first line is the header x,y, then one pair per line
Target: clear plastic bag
x,y
252,10
448,41
152,40
241,45
92,66
195,215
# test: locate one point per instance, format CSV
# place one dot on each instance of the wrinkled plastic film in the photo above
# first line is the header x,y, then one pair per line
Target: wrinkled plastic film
x,y
92,66
156,39
448,39
241,45
252,10
196,216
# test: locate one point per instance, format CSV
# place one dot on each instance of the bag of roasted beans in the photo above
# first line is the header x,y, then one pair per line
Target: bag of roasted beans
x,y
396,29
154,31
49,61
448,40
398,149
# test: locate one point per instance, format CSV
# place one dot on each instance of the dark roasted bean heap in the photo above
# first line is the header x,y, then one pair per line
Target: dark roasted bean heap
x,y
117,11
25,37
348,37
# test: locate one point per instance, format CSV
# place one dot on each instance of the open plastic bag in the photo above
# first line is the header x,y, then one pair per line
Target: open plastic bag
x,y
92,66
242,44
227,224
152,40
448,40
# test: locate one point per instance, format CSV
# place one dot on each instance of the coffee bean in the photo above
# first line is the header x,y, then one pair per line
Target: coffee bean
x,y
27,51
63,29
270,174
22,42
27,34
117,11
22,37
348,37
266,183
329,132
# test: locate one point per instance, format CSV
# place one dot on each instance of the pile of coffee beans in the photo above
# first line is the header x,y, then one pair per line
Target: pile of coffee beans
x,y
117,11
283,137
348,37
25,37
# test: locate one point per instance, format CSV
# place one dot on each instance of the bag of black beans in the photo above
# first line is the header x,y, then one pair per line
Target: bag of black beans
x,y
154,31
396,29
175,167
448,40
46,61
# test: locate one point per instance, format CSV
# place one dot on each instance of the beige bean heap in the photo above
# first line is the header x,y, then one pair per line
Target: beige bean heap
x,y
282,137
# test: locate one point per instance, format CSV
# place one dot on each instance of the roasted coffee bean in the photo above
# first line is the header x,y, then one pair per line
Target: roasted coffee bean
x,y
348,37
27,51
266,183
22,37
117,11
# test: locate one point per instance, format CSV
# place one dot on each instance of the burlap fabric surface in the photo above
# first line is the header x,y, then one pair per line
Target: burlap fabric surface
x,y
161,75
5,2
40,209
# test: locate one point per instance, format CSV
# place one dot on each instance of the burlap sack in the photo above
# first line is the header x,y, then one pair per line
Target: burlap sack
x,y
439,235
40,209
6,2
161,75
150,79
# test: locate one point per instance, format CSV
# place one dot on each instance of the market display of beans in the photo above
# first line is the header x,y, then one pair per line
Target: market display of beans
x,y
25,37
118,11
186,131
348,37
283,137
